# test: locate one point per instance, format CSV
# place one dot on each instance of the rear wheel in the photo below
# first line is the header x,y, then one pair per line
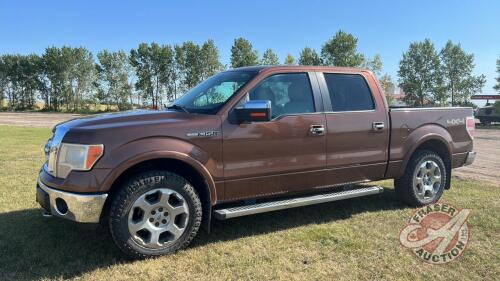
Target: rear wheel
x,y
155,213
424,179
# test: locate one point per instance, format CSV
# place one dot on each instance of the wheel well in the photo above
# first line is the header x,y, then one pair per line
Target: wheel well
x,y
440,149
172,165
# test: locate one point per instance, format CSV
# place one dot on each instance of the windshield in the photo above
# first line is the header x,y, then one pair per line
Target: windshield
x,y
210,95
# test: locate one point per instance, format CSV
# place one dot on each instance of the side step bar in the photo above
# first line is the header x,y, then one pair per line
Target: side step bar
x,y
239,211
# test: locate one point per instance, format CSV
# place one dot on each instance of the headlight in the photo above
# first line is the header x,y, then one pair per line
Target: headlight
x,y
77,157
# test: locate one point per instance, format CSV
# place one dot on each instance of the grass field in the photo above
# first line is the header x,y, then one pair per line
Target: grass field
x,y
347,240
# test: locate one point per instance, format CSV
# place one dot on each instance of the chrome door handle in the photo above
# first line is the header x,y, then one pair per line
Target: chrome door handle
x,y
377,126
317,130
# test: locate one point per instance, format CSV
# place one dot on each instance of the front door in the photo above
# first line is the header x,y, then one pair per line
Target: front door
x,y
283,155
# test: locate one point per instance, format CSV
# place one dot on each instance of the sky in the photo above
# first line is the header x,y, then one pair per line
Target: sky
x,y
382,27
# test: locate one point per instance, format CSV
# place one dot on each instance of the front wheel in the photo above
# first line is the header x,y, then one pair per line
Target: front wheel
x,y
155,213
424,179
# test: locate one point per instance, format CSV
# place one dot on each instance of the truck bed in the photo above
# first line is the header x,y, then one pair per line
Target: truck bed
x,y
410,127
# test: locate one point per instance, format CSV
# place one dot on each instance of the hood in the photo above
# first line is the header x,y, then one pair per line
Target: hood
x,y
124,118
114,129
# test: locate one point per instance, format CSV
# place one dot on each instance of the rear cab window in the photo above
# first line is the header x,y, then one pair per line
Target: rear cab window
x,y
349,92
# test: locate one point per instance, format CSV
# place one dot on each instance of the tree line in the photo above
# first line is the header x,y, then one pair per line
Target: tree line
x,y
73,79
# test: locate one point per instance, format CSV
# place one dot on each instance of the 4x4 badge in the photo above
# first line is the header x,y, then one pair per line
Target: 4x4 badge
x,y
203,134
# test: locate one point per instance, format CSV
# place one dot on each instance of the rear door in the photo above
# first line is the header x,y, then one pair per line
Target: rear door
x,y
358,127
283,155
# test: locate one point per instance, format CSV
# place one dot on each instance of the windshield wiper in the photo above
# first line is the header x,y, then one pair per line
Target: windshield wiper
x,y
176,106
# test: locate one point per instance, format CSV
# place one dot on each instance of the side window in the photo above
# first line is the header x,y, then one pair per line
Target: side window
x,y
349,92
289,93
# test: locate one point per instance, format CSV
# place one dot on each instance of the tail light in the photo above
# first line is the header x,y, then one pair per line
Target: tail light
x,y
470,124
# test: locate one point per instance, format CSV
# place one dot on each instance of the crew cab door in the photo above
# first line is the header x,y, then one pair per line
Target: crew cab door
x,y
285,154
358,127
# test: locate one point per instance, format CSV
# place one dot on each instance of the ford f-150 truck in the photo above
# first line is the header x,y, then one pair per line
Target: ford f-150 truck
x,y
247,141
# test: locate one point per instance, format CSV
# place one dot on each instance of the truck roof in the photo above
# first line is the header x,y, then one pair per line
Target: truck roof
x,y
260,68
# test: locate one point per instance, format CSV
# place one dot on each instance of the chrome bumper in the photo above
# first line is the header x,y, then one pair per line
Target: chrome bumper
x,y
470,158
76,207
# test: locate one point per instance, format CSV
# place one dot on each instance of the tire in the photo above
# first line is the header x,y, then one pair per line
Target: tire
x,y
419,185
155,213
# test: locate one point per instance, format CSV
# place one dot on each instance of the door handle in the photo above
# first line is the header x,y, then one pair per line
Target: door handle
x,y
318,130
377,126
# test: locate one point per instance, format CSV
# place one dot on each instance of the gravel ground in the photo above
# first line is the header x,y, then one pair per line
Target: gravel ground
x,y
486,167
34,119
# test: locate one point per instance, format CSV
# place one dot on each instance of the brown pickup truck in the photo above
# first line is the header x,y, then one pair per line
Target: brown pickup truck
x,y
247,141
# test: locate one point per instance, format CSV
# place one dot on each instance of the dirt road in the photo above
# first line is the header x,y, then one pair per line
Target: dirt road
x,y
485,168
34,119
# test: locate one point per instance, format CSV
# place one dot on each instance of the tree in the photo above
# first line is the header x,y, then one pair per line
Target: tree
x,y
140,59
4,82
289,60
62,76
420,73
153,64
309,56
20,80
496,106
81,76
341,50
375,65
189,64
497,85
29,79
14,73
163,63
66,96
68,77
55,68
10,69
243,54
269,58
113,68
210,60
457,67
388,87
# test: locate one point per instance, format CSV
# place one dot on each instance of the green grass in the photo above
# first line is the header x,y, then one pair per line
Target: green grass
x,y
347,240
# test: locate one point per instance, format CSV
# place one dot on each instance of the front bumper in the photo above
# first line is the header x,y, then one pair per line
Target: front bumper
x,y
85,208
470,158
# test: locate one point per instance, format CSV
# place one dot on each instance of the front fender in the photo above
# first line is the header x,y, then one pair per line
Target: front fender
x,y
128,155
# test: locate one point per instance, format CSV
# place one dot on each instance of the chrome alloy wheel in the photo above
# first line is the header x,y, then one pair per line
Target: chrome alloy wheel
x,y
427,180
158,218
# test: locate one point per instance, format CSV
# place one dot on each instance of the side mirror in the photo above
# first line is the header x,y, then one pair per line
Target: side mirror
x,y
254,111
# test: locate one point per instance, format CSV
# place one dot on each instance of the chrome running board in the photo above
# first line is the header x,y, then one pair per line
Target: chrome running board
x,y
239,211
